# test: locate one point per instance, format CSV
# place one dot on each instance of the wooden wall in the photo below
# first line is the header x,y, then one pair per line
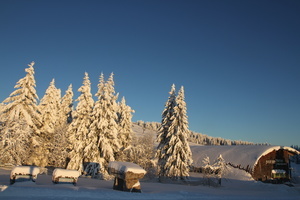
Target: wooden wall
x,y
273,160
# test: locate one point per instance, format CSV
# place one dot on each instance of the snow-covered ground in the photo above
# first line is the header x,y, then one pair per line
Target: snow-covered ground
x,y
236,185
239,186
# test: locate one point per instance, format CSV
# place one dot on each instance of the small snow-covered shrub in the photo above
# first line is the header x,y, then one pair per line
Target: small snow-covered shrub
x,y
216,170
65,174
30,171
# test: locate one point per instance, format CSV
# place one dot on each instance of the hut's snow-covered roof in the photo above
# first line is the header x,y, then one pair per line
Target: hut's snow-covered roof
x,y
243,155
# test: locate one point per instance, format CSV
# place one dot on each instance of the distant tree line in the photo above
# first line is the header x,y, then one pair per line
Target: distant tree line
x,y
199,138
154,126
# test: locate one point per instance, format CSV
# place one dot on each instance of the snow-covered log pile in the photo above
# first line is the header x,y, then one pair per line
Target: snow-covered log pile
x,y
127,176
30,172
65,174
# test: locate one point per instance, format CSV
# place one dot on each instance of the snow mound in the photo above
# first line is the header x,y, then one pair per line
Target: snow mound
x,y
3,187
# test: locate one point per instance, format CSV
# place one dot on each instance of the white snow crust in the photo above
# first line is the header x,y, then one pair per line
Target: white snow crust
x,y
25,170
126,167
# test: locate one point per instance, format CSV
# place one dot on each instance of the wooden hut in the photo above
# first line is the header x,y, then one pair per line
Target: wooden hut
x,y
263,162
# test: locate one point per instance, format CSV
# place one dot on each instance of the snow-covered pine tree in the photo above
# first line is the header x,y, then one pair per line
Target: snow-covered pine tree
x,y
220,167
177,157
125,124
206,162
66,107
92,150
104,126
217,169
2,118
20,134
61,142
207,168
108,123
49,108
80,126
1,109
163,137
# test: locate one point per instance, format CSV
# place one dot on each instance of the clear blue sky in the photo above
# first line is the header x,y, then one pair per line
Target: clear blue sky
x,y
239,61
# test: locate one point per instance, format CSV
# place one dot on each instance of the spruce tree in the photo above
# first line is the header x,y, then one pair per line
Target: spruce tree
x,y
164,137
125,124
92,150
104,127
66,108
174,153
109,124
220,166
62,145
1,109
20,134
79,128
49,108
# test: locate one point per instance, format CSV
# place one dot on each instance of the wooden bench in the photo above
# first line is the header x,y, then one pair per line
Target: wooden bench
x,y
127,176
65,176
24,172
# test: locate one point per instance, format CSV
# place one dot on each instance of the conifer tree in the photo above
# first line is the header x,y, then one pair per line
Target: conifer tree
x,y
207,167
79,128
108,122
62,145
92,150
220,167
20,133
125,124
164,137
66,108
174,153
206,162
1,108
104,126
49,108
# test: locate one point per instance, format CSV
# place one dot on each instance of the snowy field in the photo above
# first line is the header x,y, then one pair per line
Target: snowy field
x,y
240,186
